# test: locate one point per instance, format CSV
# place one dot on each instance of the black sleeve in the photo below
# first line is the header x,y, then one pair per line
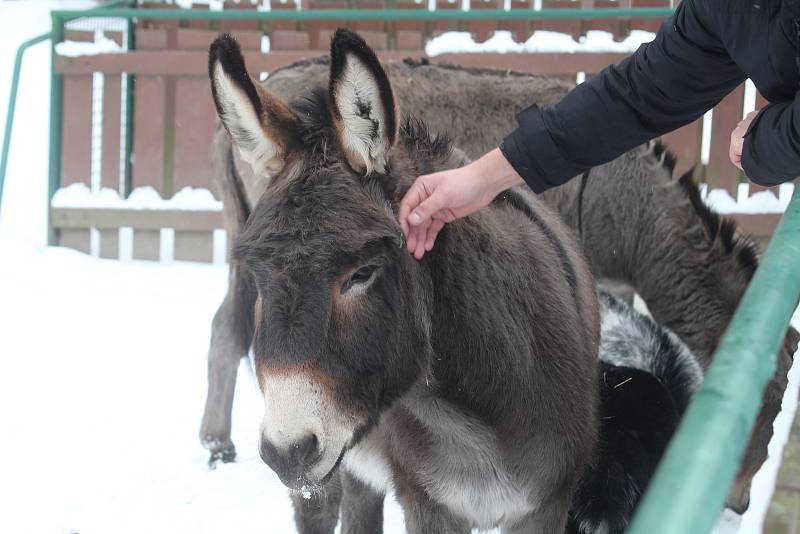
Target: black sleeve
x,y
666,84
771,151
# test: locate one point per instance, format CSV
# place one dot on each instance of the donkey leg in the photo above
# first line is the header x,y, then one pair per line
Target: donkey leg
x,y
231,334
319,513
362,507
756,453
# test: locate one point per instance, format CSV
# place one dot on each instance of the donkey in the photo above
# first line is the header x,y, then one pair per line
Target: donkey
x,y
690,266
471,385
648,377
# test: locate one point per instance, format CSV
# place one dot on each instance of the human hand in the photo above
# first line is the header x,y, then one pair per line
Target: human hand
x,y
439,198
737,139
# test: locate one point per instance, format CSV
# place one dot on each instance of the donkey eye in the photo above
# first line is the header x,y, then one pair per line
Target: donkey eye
x,y
363,274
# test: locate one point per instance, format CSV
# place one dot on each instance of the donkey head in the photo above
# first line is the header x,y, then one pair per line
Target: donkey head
x,y
341,327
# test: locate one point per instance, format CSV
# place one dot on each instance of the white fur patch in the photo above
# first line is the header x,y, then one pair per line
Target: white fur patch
x,y
368,464
239,117
296,406
465,471
358,100
629,329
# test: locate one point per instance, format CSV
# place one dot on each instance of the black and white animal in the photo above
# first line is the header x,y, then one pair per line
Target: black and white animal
x,y
648,377
469,380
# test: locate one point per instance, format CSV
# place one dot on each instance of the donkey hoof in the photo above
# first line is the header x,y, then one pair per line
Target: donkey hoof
x,y
221,451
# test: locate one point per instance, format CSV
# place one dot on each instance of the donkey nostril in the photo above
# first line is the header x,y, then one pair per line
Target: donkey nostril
x,y
306,451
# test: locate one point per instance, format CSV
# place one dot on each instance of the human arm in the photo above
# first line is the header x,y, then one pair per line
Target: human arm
x,y
666,84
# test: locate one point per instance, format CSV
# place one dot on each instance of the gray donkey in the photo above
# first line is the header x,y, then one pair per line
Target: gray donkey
x,y
470,386
638,225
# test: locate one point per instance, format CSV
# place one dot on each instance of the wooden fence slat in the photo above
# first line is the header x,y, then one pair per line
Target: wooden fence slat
x,y
109,244
315,27
685,143
289,40
194,246
195,123
617,27
199,24
138,219
650,25
284,25
410,34
76,145
720,172
369,25
148,136
76,239
231,25
521,29
112,109
148,131
157,24
438,27
570,27
195,38
147,245
82,36
482,30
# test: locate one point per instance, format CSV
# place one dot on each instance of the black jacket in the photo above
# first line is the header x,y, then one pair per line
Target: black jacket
x,y
700,55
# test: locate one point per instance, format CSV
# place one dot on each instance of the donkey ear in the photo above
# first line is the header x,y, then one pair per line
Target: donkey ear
x,y
364,109
261,125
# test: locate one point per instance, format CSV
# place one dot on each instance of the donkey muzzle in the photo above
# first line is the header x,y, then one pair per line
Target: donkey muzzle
x,y
293,463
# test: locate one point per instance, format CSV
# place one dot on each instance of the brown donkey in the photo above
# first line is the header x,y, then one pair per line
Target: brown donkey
x,y
468,385
639,225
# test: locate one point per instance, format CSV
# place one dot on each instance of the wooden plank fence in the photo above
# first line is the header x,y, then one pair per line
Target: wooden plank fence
x,y
174,118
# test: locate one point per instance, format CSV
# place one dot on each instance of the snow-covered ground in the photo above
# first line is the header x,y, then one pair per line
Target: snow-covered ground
x,y
102,369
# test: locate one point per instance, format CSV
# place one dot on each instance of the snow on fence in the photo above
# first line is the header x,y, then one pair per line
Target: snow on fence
x,y
174,120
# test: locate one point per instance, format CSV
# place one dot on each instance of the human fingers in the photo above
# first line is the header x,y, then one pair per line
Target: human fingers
x,y
434,229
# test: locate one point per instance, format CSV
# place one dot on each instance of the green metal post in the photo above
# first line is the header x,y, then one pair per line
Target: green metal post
x,y
379,14
56,120
129,103
12,102
690,485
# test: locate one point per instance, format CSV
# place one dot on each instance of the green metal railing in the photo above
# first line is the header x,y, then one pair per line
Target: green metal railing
x,y
380,14
12,103
700,464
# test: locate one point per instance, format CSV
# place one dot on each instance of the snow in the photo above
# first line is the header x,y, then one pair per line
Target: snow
x,y
103,372
760,202
79,195
594,41
101,45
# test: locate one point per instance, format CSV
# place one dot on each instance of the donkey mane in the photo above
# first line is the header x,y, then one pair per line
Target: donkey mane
x,y
416,63
721,231
417,136
315,125
425,62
